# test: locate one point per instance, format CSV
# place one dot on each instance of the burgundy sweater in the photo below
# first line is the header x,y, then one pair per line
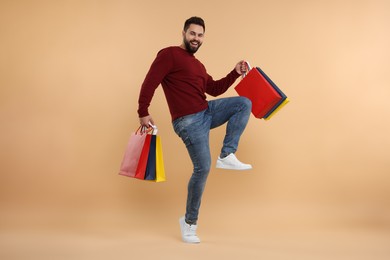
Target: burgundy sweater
x,y
184,80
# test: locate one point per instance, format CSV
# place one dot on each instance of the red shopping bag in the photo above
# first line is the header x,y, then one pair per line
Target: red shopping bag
x,y
143,159
263,96
132,154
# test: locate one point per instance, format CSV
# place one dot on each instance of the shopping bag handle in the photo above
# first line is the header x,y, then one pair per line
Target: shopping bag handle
x,y
147,130
248,66
143,130
155,129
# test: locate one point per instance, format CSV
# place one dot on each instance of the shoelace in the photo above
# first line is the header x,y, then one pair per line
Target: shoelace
x,y
191,229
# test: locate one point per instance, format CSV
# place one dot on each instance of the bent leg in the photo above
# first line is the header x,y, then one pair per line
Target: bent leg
x,y
235,111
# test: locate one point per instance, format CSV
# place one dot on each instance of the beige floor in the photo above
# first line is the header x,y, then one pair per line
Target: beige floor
x,y
114,234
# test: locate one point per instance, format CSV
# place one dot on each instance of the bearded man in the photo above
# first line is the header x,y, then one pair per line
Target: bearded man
x,y
185,82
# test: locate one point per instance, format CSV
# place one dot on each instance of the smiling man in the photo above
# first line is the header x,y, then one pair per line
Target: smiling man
x,y
185,82
192,37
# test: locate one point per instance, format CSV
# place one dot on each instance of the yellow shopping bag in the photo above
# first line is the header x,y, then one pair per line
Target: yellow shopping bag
x,y
160,170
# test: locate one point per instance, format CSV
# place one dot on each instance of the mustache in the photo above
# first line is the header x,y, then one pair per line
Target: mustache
x,y
189,47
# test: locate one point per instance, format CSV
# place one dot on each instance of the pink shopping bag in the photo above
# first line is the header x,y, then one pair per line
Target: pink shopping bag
x,y
132,154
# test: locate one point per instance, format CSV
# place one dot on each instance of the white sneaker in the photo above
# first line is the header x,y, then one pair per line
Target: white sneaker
x,y
231,162
188,232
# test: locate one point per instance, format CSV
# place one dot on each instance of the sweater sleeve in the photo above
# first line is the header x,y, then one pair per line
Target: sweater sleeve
x,y
218,87
158,70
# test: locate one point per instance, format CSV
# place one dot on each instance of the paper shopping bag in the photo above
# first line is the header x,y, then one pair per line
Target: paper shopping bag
x,y
160,170
143,157
281,102
150,173
143,160
277,109
132,154
262,95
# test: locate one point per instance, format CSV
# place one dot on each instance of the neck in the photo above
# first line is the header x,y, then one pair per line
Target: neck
x,y
183,47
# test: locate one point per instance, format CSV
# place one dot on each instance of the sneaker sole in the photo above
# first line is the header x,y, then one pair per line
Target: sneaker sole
x,y
232,168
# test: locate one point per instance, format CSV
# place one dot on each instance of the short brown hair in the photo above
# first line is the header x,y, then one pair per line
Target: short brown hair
x,y
194,20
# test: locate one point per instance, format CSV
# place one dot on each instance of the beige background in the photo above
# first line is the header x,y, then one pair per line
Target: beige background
x,y
70,73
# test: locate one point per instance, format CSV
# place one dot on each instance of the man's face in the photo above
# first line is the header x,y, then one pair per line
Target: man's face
x,y
193,37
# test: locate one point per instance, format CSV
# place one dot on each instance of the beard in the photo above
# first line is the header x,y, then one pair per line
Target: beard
x,y
190,48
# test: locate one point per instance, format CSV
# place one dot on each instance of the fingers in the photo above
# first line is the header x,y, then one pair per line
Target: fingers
x,y
243,67
145,123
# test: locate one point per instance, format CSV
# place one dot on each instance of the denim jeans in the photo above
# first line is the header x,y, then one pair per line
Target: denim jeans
x,y
194,131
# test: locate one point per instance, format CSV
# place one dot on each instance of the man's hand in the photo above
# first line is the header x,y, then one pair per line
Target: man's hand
x,y
144,121
241,67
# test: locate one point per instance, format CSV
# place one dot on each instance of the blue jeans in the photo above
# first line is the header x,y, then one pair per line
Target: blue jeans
x,y
194,131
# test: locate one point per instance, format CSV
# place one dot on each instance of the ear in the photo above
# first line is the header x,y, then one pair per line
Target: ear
x,y
183,33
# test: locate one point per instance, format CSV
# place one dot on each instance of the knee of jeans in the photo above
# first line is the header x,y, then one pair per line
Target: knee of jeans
x,y
203,169
246,102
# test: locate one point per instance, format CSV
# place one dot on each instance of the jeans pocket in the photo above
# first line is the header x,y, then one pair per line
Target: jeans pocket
x,y
176,125
179,128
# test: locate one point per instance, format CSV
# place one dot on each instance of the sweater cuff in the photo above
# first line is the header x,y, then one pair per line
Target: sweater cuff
x,y
235,73
142,112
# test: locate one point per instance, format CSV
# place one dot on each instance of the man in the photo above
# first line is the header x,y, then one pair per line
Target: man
x,y
185,81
